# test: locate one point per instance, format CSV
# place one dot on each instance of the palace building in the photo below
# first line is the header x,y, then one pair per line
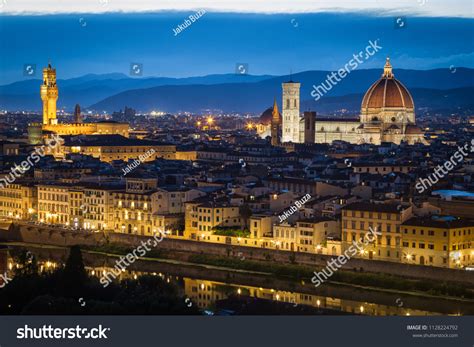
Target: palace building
x,y
49,95
387,115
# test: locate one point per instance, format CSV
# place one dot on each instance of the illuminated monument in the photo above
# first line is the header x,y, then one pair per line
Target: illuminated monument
x,y
49,95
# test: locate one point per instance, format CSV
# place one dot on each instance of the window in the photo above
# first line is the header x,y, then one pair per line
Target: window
x,y
422,245
430,246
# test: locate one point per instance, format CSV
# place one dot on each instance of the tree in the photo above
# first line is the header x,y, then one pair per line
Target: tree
x,y
245,212
74,276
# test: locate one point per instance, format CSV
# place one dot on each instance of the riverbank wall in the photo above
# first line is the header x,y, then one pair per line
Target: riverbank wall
x,y
39,234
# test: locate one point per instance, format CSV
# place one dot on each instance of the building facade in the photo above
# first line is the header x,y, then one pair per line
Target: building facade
x,y
442,241
359,218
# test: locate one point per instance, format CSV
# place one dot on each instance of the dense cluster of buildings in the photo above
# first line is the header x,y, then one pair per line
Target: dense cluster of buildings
x,y
211,184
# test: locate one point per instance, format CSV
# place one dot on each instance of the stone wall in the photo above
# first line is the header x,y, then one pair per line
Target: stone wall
x,y
44,235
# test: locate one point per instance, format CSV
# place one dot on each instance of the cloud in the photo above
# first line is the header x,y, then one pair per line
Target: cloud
x,y
429,8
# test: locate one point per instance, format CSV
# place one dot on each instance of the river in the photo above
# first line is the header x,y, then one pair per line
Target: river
x,y
205,286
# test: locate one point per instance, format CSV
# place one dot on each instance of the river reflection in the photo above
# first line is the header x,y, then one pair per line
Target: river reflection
x,y
204,290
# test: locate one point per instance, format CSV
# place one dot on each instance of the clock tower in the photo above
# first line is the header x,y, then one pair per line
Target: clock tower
x,y
49,95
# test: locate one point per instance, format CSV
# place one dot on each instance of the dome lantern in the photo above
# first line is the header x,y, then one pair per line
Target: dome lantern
x,y
387,69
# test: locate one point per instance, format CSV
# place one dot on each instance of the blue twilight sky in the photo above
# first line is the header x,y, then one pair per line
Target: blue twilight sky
x,y
276,43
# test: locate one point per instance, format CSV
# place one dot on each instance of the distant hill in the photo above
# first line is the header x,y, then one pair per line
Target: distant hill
x,y
236,93
89,89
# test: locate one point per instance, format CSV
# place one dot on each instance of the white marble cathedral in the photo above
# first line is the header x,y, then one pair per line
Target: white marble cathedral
x,y
387,115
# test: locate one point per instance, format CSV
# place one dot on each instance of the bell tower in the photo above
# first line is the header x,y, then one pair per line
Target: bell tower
x,y
291,112
275,125
49,95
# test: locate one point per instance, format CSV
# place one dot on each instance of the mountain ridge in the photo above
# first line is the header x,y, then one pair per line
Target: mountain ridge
x,y
94,91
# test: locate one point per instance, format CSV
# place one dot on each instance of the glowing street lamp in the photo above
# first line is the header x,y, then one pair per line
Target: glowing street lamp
x,y
210,120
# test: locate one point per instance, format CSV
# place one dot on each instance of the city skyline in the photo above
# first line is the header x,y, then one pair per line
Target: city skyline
x,y
321,162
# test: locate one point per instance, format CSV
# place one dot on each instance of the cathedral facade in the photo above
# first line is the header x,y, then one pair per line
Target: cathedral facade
x,y
387,115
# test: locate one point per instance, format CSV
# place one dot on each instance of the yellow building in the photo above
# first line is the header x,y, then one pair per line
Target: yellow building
x,y
186,155
18,200
358,217
49,96
76,207
261,225
308,235
144,209
201,218
53,204
115,147
96,208
442,241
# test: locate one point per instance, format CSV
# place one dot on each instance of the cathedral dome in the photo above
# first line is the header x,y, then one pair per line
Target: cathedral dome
x,y
387,92
269,114
266,116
